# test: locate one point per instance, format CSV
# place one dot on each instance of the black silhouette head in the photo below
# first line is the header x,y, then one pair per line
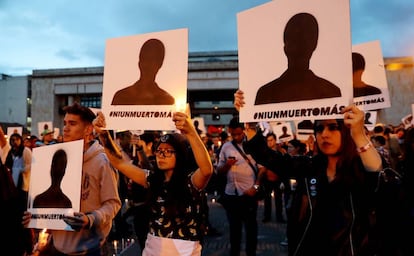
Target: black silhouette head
x,y
151,56
58,168
301,36
358,62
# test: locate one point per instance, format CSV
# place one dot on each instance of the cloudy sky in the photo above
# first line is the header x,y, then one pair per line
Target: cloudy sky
x,y
65,34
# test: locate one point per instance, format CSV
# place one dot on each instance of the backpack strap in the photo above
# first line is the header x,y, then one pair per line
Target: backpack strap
x,y
245,157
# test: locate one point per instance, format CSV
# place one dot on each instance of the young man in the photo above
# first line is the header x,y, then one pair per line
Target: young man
x,y
99,191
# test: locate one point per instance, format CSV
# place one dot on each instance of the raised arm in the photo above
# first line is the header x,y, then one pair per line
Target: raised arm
x,y
205,167
3,141
354,119
239,99
4,147
138,175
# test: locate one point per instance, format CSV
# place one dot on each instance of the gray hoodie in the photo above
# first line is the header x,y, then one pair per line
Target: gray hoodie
x,y
99,199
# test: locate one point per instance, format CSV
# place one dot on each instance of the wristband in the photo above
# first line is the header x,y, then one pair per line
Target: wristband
x,y
89,225
364,148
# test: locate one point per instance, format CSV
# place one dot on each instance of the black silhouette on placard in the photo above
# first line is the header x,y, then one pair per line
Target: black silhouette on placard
x,y
360,87
54,197
298,82
145,91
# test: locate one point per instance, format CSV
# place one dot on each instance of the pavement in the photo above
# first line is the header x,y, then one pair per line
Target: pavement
x,y
270,234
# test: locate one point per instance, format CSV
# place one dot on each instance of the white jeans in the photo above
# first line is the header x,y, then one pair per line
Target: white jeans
x,y
160,246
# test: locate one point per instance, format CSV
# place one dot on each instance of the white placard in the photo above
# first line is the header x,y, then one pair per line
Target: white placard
x,y
310,80
145,80
373,93
40,184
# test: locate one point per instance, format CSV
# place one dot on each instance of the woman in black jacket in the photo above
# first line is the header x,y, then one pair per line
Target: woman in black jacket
x,y
331,210
332,207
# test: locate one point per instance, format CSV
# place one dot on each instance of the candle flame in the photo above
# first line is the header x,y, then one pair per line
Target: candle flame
x,y
42,239
180,105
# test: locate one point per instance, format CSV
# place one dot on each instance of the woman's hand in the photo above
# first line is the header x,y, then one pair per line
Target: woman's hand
x,y
99,122
111,148
183,123
354,119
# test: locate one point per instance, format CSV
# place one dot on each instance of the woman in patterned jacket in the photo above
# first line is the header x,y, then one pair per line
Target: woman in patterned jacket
x,y
176,189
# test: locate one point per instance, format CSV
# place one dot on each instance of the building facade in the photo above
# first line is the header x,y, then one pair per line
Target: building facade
x,y
15,101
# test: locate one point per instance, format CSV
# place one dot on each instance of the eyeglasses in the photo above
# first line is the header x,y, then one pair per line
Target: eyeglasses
x,y
331,127
164,153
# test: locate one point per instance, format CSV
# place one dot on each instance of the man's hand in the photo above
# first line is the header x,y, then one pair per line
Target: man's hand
x,y
250,192
78,221
26,219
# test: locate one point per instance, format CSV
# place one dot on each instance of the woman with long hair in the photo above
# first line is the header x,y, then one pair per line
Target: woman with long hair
x,y
18,162
176,189
332,206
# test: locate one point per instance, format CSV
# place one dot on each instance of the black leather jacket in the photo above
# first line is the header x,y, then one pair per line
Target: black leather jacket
x,y
331,218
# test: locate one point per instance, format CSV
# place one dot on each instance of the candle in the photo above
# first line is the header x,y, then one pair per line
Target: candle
x,y
116,246
42,240
293,184
213,200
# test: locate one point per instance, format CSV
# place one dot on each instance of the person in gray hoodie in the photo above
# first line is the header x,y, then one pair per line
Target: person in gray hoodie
x,y
99,192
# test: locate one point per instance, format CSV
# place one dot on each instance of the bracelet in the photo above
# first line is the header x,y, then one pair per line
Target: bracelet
x,y
364,148
89,225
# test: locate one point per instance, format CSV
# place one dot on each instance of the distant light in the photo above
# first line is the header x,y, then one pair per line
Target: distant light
x,y
395,66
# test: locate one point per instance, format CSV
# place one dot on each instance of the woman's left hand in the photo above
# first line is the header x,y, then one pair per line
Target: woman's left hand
x,y
354,119
182,122
99,122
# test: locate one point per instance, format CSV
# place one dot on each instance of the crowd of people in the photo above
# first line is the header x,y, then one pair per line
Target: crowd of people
x,y
328,189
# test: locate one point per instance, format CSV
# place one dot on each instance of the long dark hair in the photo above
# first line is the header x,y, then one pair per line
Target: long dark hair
x,y
16,152
346,165
178,196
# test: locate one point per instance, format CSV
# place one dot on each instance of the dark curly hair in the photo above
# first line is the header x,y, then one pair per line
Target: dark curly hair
x,y
85,114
